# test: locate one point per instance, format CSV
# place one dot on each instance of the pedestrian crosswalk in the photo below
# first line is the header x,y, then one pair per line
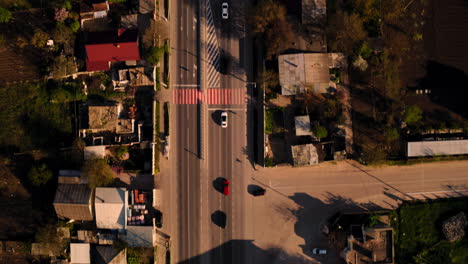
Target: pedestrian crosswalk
x,y
210,96
212,52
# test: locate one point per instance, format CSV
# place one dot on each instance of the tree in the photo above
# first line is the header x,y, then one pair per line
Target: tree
x,y
266,13
319,131
63,34
40,175
51,238
75,26
98,172
345,31
412,115
5,15
39,39
278,37
60,14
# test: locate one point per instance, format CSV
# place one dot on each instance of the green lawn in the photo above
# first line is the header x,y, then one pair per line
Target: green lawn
x,y
419,238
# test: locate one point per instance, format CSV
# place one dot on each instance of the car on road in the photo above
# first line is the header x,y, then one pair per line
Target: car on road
x,y
224,119
225,186
225,12
319,251
258,192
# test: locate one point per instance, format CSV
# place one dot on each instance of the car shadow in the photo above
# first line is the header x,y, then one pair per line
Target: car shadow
x,y
252,188
218,184
216,117
219,218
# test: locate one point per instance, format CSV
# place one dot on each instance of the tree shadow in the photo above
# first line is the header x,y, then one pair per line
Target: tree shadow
x,y
245,251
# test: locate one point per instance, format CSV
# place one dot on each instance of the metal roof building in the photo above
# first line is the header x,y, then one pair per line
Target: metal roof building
x,y
140,236
73,201
111,208
433,148
302,71
302,124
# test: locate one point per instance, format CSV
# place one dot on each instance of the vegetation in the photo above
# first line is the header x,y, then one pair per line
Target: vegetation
x,y
39,175
154,54
39,39
51,238
419,239
31,118
412,115
158,78
269,20
319,131
98,173
5,15
63,66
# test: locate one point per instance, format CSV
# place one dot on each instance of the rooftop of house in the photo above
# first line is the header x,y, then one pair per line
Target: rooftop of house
x,y
103,117
140,236
302,124
433,148
72,194
87,6
111,46
377,247
305,154
302,71
111,208
109,254
80,253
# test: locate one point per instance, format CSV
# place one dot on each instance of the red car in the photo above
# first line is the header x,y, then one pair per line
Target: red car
x,y
225,185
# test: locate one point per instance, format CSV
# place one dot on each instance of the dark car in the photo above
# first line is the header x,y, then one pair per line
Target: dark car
x,y
258,192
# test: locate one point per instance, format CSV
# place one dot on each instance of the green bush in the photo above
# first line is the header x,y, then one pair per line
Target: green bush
x,y
98,173
269,162
120,151
39,175
154,54
269,121
365,51
5,15
319,131
412,115
75,25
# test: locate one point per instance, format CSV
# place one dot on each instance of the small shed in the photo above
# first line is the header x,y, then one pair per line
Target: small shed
x,y
111,208
302,125
73,201
305,154
109,255
80,253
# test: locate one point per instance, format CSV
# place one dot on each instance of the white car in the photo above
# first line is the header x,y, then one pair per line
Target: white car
x,y
224,119
319,251
225,13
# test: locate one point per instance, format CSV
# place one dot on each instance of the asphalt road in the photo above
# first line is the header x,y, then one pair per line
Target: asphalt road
x,y
227,147
185,138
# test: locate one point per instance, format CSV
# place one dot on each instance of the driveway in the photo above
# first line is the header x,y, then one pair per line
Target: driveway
x,y
298,201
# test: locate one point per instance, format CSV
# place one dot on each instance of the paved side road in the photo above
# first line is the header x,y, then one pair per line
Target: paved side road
x,y
286,222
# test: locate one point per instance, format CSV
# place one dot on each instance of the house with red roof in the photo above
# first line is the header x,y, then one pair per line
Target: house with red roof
x,y
104,48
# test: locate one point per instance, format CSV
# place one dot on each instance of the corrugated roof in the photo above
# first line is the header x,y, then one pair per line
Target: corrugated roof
x,y
111,208
72,194
433,148
80,253
111,46
297,71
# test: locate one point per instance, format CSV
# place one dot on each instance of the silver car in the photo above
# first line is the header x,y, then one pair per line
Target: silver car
x,y
224,119
225,13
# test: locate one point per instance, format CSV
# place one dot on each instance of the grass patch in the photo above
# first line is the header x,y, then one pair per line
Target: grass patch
x,y
158,78
271,120
425,160
166,64
166,118
418,233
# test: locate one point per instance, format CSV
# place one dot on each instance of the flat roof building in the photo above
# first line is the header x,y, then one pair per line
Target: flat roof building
x,y
434,148
111,208
73,201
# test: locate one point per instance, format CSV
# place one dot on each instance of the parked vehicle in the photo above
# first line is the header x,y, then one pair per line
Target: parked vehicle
x,y
225,12
225,185
224,119
319,251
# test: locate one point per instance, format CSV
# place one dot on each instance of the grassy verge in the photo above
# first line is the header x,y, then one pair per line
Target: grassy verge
x,y
418,233
425,160
158,78
166,118
166,64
